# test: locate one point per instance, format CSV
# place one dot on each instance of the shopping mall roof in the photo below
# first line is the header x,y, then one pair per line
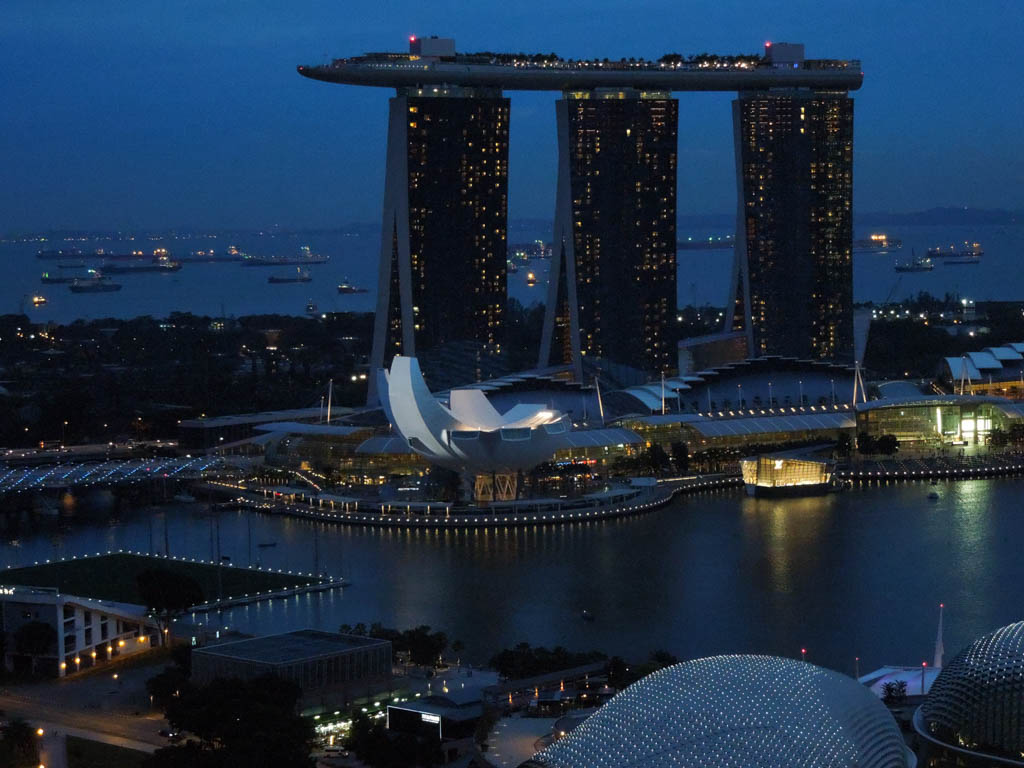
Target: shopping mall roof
x,y
762,425
297,428
937,400
804,421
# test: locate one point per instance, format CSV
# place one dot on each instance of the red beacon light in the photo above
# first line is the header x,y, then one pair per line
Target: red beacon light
x,y
412,38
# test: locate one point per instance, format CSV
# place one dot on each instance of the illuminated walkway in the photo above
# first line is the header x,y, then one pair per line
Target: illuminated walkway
x,y
114,472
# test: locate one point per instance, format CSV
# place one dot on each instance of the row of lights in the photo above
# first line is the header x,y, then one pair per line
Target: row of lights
x,y
515,520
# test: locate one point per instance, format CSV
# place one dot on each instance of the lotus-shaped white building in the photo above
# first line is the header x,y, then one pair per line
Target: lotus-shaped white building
x,y
470,435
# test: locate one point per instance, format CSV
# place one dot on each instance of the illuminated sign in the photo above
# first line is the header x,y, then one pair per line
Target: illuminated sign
x,y
430,718
6,590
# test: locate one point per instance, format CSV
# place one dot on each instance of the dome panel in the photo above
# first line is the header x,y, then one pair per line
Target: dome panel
x,y
977,701
735,712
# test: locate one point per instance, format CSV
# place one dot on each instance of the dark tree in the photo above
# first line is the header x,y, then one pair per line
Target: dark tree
x,y
887,445
168,594
865,444
844,445
238,723
377,747
19,745
680,457
165,686
894,692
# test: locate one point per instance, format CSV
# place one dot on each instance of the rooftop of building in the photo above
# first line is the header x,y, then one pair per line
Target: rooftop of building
x,y
290,647
434,61
262,417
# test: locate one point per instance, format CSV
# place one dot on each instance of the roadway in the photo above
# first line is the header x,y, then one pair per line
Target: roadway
x,y
92,707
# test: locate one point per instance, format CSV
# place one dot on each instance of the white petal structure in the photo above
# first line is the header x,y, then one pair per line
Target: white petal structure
x,y
470,434
977,701
735,712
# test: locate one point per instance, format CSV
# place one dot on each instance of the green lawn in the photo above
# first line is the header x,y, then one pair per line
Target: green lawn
x,y
83,753
112,577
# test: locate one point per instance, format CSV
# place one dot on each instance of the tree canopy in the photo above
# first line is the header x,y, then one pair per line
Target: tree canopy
x,y
526,661
238,723
168,594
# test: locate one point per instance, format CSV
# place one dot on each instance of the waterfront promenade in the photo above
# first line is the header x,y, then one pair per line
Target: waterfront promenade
x,y
614,502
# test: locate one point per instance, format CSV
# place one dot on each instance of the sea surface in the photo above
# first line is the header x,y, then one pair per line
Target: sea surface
x,y
859,573
233,290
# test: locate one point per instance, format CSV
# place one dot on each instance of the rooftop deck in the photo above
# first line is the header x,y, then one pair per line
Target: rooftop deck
x,y
550,73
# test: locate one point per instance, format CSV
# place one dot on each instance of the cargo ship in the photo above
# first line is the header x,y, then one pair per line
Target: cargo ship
x,y
211,256
157,265
970,253
301,276
710,244
304,258
97,284
922,264
69,253
56,279
877,242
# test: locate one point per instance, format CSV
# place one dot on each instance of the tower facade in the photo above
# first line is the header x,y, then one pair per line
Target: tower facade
x,y
442,272
612,288
792,285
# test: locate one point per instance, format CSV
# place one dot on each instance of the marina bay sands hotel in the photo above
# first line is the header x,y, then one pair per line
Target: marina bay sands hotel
x,y
612,280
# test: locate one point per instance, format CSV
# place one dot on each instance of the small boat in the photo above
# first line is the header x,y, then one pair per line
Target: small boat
x,y
347,287
311,308
586,615
301,276
184,498
531,279
97,284
512,268
933,496
38,301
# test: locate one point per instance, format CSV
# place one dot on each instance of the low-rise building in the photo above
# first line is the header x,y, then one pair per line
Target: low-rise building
x,y
88,632
332,669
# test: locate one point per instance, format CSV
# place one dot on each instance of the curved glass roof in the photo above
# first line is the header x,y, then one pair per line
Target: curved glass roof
x,y
977,702
733,712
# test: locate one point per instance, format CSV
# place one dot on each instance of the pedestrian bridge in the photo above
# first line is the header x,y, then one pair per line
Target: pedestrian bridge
x,y
111,472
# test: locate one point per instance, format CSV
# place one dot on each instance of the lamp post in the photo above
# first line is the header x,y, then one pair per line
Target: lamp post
x,y
803,654
739,396
63,433
801,384
771,398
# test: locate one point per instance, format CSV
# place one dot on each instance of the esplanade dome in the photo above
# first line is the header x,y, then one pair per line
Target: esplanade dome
x,y
977,701
735,712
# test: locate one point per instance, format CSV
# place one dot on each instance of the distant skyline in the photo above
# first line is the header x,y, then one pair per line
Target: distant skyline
x,y
152,115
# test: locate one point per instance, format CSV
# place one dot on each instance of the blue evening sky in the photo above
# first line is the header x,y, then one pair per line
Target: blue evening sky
x,y
189,113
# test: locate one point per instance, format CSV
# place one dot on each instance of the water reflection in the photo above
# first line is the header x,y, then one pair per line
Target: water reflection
x,y
853,574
